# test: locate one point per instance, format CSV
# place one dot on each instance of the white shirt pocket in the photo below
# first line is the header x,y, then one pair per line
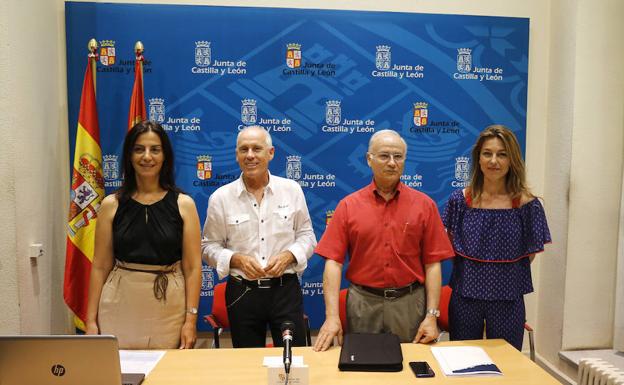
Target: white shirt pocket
x,y
238,227
283,223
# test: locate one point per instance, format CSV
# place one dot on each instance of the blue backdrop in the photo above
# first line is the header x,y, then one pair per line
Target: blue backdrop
x,y
320,81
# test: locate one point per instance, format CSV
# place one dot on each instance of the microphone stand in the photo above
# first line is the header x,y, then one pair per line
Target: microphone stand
x,y
287,328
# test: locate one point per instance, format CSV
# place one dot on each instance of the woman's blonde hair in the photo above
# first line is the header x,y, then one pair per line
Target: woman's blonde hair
x,y
515,180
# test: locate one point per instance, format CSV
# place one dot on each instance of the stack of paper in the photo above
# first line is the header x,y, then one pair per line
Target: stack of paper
x,y
139,361
278,361
464,361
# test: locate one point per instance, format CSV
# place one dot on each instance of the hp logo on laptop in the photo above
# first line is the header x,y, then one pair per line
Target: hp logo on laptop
x,y
58,370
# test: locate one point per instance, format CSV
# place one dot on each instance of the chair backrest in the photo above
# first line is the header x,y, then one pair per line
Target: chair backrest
x,y
342,309
445,297
219,311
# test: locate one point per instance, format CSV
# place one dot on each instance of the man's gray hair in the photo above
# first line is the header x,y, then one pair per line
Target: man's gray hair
x,y
269,141
385,132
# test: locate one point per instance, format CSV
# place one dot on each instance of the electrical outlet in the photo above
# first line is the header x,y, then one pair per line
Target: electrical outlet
x,y
35,250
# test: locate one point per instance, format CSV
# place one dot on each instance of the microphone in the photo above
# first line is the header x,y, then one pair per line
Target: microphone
x,y
287,338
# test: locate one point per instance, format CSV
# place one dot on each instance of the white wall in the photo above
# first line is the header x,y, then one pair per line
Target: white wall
x,y
9,303
583,179
558,130
618,324
595,180
33,163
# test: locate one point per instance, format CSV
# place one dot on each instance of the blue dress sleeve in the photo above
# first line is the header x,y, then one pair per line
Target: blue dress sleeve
x,y
536,232
452,211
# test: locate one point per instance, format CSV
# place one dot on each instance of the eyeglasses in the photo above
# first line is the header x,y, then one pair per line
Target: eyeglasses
x,y
385,157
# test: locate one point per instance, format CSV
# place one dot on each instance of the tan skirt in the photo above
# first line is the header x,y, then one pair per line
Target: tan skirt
x,y
130,310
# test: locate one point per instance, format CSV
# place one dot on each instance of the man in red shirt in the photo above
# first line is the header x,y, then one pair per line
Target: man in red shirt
x,y
396,240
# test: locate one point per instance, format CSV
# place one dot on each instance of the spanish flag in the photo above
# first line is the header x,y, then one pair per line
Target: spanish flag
x,y
138,112
87,192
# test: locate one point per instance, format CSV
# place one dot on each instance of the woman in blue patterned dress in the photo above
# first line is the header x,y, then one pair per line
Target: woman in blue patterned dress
x,y
496,227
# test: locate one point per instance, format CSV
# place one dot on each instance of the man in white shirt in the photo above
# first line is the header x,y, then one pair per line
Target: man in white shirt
x,y
258,231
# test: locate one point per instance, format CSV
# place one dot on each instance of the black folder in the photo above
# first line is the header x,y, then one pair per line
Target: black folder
x,y
364,352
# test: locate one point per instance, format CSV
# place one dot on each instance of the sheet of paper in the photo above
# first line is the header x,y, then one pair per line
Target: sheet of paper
x,y
139,361
464,361
277,361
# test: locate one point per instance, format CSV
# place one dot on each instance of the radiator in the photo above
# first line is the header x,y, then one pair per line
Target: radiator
x,y
595,371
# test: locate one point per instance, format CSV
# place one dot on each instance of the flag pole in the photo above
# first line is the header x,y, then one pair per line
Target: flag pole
x,y
138,50
93,55
137,100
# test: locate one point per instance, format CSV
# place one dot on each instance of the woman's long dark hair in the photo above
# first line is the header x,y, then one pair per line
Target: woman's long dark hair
x,y
166,178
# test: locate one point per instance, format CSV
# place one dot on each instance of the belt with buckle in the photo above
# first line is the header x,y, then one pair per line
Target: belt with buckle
x,y
393,292
263,283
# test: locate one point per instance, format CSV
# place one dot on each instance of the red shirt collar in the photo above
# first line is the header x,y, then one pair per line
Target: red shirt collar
x,y
372,189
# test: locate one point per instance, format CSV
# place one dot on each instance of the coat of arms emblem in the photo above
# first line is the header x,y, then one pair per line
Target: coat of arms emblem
x,y
464,60
462,169
86,194
329,214
249,111
332,112
293,167
110,167
207,278
107,52
421,114
202,53
204,167
157,110
293,55
383,57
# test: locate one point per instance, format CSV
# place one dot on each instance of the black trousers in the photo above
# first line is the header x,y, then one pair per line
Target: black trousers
x,y
251,309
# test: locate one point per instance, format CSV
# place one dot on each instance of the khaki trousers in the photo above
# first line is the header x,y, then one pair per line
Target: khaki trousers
x,y
370,313
130,311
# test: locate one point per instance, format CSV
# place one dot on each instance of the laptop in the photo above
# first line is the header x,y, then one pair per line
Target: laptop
x,y
62,360
364,352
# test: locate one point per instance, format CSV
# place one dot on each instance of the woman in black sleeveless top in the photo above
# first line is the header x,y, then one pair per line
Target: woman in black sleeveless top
x,y
146,271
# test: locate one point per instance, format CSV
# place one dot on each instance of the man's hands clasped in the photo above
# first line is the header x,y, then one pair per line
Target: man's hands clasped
x,y
252,269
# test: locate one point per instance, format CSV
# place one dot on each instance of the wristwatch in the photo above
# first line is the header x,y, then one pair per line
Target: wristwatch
x,y
192,310
434,312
